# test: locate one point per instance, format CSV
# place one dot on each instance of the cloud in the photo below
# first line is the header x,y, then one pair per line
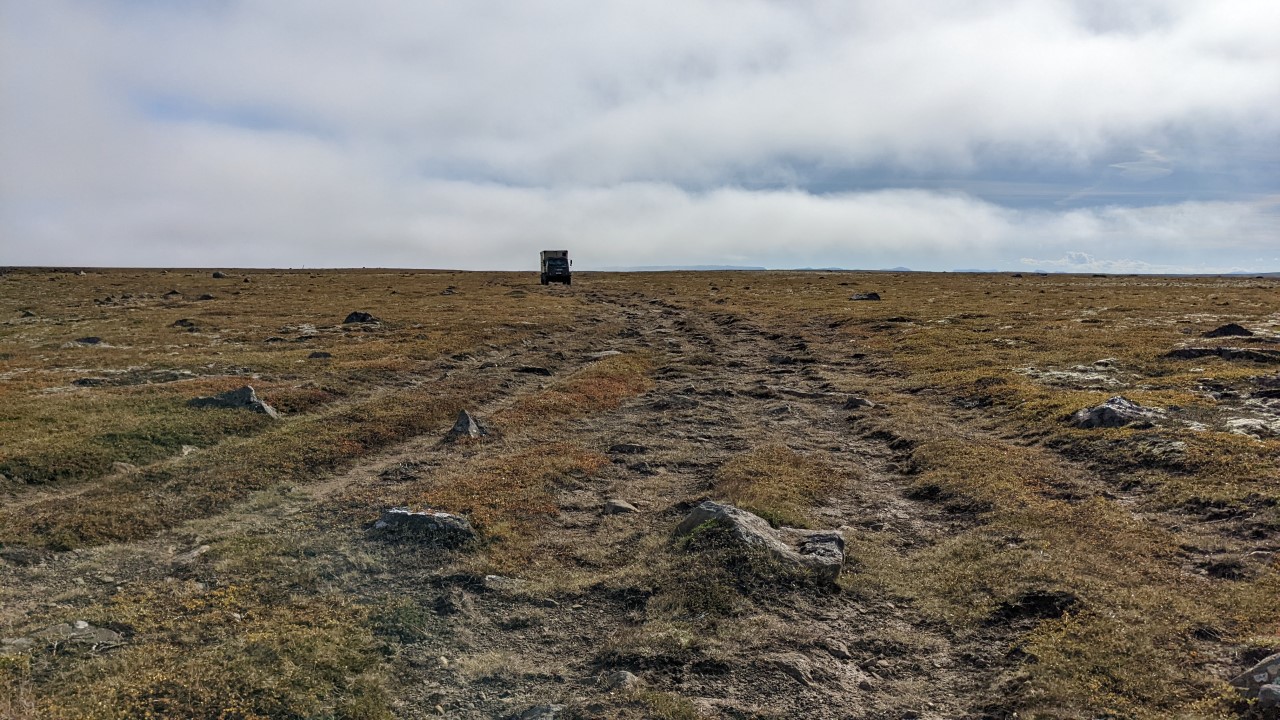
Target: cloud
x,y
405,132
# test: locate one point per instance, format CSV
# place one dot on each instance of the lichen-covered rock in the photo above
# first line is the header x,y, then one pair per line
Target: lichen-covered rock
x,y
1116,412
244,398
821,552
437,528
465,426
1265,672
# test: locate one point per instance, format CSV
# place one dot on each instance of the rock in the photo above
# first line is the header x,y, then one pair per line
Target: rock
x,y
360,317
1116,412
188,449
206,296
603,354
1228,330
1269,697
81,636
90,340
619,680
26,314
183,323
628,449
1257,355
451,290
466,426
240,398
438,528
90,382
502,584
533,370
190,556
614,506
854,402
218,275
797,667
454,601
320,355
821,552
837,648
123,467
1254,427
1265,672
865,296
172,295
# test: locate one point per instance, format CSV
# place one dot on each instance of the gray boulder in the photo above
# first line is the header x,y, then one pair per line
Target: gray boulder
x,y
438,528
1269,697
239,399
820,552
1229,330
619,680
466,426
1116,412
865,296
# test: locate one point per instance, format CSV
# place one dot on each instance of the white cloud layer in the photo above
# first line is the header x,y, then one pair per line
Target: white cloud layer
x,y
399,132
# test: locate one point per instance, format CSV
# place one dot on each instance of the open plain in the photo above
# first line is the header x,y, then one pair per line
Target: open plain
x,y
1006,555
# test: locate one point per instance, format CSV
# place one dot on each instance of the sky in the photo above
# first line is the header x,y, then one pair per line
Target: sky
x,y
1055,135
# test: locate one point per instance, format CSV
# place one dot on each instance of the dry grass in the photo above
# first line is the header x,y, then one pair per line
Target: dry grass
x,y
1113,517
777,484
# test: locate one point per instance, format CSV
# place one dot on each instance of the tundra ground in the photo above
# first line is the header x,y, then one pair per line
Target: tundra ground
x,y
1001,562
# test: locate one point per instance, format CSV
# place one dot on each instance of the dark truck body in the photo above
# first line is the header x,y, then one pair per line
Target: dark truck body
x,y
555,267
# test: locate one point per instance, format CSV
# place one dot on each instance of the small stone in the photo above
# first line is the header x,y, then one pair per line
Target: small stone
x,y
502,583
90,340
218,275
627,449
183,323
837,649
80,625
865,296
90,382
172,295
465,426
444,661
188,449
190,556
123,467
619,680
854,402
359,316
603,354
615,506
320,355
206,296
26,314
540,712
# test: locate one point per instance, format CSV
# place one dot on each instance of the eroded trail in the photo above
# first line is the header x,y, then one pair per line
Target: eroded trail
x,y
722,387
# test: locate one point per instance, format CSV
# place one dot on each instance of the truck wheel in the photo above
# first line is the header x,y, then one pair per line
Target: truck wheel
x,y
568,281
544,278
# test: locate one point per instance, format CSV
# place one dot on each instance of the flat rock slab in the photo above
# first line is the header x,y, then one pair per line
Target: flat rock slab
x,y
79,635
1270,357
865,296
821,552
437,528
244,398
533,370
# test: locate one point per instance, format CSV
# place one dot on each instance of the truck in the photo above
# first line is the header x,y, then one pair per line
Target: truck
x,y
555,267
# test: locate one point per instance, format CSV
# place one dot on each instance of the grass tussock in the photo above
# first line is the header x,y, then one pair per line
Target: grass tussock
x,y
777,484
602,385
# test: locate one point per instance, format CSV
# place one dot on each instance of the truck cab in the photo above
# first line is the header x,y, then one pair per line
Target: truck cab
x,y
555,267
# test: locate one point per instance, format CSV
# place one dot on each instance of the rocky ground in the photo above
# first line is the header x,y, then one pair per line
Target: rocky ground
x,y
992,568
